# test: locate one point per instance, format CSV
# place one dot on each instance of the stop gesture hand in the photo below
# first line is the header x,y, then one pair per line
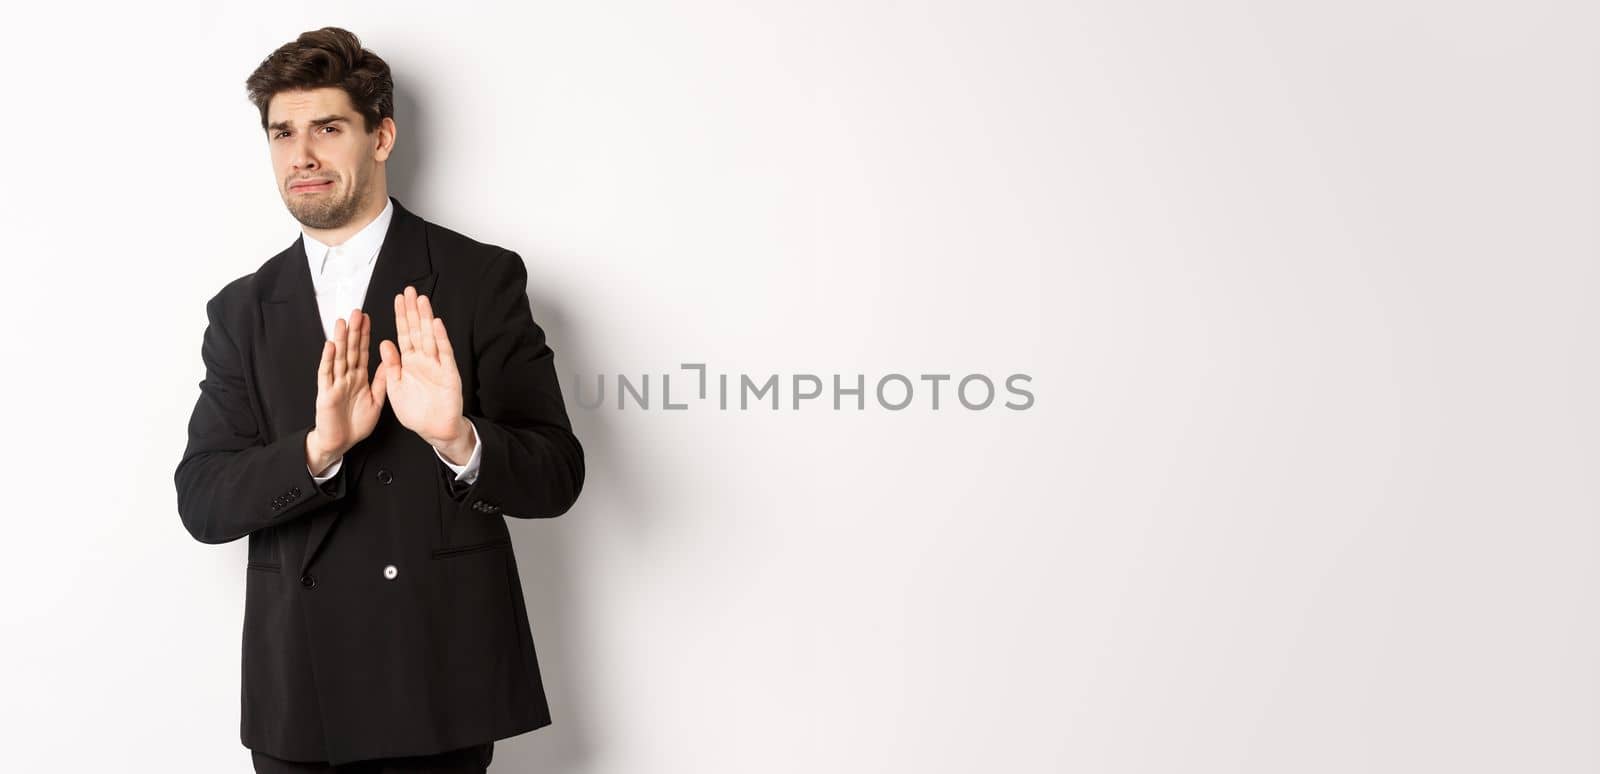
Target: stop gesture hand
x,y
347,406
420,375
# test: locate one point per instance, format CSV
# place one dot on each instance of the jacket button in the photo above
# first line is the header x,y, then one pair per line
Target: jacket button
x,y
384,476
390,571
294,490
308,580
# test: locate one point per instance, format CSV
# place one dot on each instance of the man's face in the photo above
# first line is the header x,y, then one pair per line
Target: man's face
x,y
327,165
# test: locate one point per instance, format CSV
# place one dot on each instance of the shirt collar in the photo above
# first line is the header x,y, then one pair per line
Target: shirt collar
x,y
363,244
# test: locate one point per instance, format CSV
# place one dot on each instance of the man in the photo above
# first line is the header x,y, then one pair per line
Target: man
x,y
371,453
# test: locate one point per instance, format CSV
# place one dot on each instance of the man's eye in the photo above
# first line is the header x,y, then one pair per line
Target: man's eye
x,y
331,128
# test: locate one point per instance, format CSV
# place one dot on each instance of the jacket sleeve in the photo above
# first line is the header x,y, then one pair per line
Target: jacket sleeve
x,y
230,482
531,465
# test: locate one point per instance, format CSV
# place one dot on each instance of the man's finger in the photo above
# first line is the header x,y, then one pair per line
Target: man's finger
x,y
402,333
366,343
391,359
338,349
411,318
352,341
447,353
425,327
325,366
380,384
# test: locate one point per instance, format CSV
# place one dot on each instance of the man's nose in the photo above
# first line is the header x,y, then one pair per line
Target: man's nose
x,y
301,157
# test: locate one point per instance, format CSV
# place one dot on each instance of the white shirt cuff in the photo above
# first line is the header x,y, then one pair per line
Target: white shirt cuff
x,y
332,469
467,473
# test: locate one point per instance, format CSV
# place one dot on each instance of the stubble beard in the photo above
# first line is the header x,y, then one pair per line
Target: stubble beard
x,y
326,211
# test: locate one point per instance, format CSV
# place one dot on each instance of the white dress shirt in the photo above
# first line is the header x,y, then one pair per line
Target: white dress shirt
x,y
340,274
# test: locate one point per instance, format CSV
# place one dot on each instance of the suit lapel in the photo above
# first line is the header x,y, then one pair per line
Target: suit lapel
x,y
295,335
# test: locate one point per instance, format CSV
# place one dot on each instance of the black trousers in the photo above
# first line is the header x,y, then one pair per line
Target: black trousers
x,y
466,760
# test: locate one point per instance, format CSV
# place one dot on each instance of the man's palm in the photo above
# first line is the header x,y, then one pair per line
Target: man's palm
x,y
347,405
421,377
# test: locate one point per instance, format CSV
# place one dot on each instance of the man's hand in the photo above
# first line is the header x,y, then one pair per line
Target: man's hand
x,y
347,406
422,378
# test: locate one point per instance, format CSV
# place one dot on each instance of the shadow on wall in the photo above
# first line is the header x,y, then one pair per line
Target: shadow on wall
x,y
411,144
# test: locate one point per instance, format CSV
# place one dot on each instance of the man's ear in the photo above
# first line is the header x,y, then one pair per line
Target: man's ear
x,y
385,137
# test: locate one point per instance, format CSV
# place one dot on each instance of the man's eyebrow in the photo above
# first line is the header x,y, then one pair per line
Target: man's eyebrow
x,y
315,122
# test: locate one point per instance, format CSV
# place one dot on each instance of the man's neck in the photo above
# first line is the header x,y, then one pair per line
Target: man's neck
x,y
337,236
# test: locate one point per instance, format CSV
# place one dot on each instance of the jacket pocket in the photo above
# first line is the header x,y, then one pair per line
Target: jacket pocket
x,y
453,551
462,530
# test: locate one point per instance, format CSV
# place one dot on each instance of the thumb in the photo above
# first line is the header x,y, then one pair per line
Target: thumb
x,y
391,357
380,385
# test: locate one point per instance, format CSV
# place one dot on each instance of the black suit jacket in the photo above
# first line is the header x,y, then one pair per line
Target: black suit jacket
x,y
341,662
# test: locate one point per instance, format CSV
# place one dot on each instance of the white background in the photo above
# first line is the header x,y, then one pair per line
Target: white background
x,y
1306,291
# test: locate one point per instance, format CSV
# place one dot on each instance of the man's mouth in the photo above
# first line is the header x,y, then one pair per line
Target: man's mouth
x,y
310,186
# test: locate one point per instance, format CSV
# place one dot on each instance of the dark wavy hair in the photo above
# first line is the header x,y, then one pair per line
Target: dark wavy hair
x,y
327,57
